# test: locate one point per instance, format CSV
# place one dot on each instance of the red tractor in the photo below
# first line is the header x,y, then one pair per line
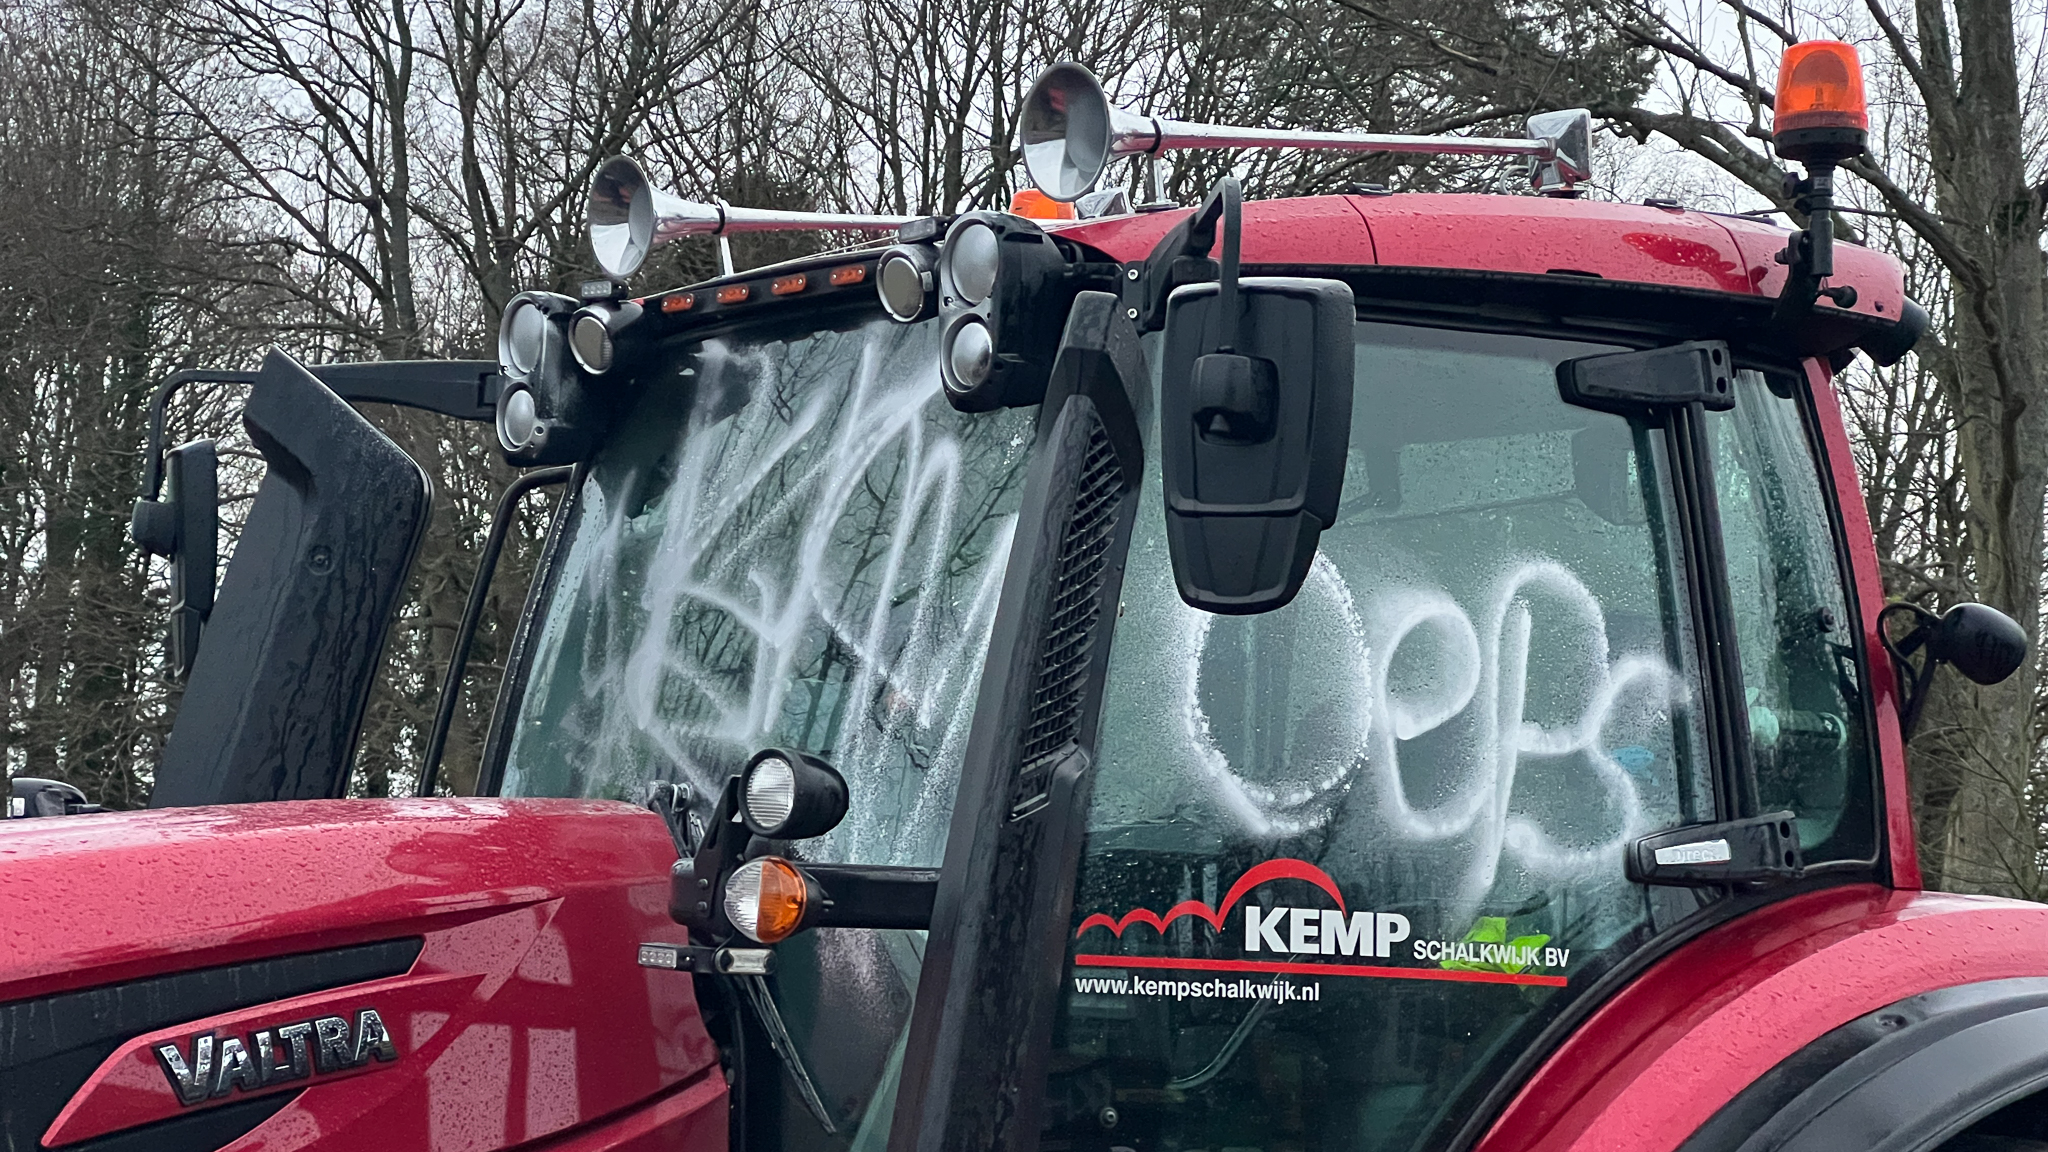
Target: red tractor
x,y
1376,672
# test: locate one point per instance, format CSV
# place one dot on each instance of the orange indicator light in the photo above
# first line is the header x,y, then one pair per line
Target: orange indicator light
x,y
851,274
1035,205
1820,85
732,293
680,302
785,285
766,899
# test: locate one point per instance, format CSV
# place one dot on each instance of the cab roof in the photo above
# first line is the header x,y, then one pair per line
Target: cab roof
x,y
1529,235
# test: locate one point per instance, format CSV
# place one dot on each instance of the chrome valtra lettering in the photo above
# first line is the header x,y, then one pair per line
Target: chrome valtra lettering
x,y
208,1067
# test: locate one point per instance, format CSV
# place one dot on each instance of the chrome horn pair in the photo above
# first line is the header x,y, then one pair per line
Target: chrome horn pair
x,y
630,218
1070,132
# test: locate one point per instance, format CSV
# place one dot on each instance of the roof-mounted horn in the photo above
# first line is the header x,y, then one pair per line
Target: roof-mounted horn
x,y
630,218
1070,132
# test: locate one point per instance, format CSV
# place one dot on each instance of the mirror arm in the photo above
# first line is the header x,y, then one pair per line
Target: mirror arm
x,y
1233,236
1181,256
1913,681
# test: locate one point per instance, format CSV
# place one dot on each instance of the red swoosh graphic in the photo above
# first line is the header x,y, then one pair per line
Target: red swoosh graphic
x,y
1258,874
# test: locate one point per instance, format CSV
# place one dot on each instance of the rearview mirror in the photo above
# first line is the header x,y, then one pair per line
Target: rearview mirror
x,y
184,528
1255,417
1979,641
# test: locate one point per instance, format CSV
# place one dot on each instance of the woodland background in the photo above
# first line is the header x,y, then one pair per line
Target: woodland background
x,y
186,182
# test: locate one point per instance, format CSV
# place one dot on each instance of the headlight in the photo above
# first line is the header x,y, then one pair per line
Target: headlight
x,y
1005,289
788,795
767,899
522,337
969,355
771,792
970,258
590,343
904,281
595,333
518,420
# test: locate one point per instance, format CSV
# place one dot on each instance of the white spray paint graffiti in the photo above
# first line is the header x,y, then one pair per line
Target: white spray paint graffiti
x,y
1412,663
836,509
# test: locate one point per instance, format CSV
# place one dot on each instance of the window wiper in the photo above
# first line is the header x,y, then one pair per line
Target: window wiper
x,y
756,988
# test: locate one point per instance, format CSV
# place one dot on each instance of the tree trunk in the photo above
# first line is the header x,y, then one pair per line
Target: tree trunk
x,y
1981,740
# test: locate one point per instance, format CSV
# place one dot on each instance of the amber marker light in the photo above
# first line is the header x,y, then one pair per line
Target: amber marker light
x,y
788,285
851,274
1035,205
680,302
766,899
732,293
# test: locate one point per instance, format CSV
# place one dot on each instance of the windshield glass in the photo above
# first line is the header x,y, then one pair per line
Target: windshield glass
x,y
1346,858
796,542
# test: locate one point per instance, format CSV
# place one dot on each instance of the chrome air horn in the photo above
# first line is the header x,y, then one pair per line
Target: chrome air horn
x,y
1070,133
629,217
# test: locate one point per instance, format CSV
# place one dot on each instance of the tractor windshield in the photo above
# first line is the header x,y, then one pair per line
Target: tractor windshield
x,y
1347,859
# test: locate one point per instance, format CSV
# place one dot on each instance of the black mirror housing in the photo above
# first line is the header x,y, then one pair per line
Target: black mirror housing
x,y
1253,439
32,796
1978,641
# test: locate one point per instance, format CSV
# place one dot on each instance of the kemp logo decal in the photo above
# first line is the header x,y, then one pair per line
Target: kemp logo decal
x,y
207,1068
1286,933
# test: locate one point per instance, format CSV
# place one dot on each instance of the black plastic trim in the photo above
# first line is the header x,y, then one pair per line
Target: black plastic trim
x,y
50,1044
873,895
202,1131
1901,1079
981,1029
274,704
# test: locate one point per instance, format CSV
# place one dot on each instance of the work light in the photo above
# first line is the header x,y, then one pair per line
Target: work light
x,y
1003,299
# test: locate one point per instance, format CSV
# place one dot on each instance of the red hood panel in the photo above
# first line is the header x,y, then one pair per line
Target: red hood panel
x,y
130,893
526,1013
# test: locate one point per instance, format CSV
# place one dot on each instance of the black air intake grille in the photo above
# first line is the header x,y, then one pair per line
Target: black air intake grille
x,y
1065,652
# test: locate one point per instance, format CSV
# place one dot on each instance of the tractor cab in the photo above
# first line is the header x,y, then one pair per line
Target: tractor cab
x,y
1261,676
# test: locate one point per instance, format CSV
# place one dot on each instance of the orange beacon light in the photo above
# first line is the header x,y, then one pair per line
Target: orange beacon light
x,y
1820,113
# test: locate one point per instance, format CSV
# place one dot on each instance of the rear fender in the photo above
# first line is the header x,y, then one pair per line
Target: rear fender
x,y
1672,1046
1901,1079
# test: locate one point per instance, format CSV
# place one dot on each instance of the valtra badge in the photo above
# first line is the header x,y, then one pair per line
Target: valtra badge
x,y
207,1067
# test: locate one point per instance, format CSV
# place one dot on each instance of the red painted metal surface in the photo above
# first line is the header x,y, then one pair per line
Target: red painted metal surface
x,y
1659,1058
1903,851
1310,229
1527,234
525,1015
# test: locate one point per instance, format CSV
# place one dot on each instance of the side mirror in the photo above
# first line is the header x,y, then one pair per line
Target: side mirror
x,y
30,796
184,528
1978,640
1255,421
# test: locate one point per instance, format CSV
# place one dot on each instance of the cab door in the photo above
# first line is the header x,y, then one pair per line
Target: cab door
x,y
1344,872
